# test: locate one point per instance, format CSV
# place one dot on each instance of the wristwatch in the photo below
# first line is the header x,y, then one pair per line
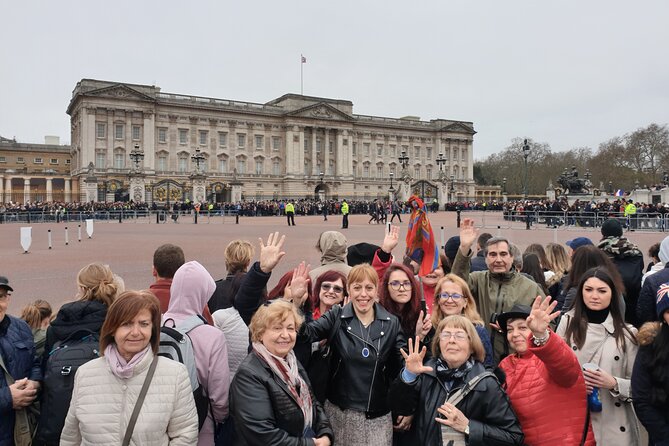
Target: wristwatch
x,y
542,340
467,430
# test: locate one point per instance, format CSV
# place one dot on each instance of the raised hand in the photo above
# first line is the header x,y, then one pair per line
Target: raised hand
x,y
468,235
271,253
414,359
299,283
541,315
423,325
391,239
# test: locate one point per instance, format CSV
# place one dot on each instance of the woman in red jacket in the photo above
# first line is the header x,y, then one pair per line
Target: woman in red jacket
x,y
544,379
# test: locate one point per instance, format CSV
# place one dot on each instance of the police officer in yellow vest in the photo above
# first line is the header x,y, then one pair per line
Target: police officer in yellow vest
x,y
344,213
290,213
630,214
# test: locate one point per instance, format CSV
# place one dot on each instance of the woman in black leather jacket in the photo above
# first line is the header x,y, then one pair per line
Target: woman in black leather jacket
x,y
365,341
484,415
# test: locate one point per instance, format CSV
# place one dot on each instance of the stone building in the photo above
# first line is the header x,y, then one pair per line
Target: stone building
x,y
35,172
226,150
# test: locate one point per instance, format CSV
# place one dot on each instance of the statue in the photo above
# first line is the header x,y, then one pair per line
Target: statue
x,y
571,184
91,169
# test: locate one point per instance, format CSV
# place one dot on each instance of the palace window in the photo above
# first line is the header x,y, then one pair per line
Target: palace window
x,y
365,171
276,143
223,165
38,161
136,132
162,135
162,163
183,136
241,166
100,160
416,172
260,142
331,168
241,139
222,139
68,161
119,160
379,149
203,137
276,168
119,131
365,148
355,148
259,167
331,148
417,152
3,159
183,163
20,160
428,153
319,144
100,130
379,172
428,173
393,150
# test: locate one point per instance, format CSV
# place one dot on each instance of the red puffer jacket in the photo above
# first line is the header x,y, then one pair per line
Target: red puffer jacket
x,y
547,392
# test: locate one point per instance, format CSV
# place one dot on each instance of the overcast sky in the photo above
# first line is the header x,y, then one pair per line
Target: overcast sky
x,y
568,73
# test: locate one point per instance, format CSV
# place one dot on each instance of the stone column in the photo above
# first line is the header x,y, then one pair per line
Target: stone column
x,y
339,149
68,190
326,152
2,189
299,168
26,190
137,188
289,147
148,140
49,189
314,154
8,189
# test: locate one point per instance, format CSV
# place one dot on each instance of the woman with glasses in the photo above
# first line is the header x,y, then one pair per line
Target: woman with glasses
x,y
451,396
453,297
329,290
365,340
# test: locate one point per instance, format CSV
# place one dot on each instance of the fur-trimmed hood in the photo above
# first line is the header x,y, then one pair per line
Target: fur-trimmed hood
x,y
648,332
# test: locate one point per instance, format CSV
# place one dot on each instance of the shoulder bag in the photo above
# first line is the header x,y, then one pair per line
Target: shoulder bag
x,y
140,401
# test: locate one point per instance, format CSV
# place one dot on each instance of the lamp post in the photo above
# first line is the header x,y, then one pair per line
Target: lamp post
x,y
610,187
137,156
197,158
526,153
391,180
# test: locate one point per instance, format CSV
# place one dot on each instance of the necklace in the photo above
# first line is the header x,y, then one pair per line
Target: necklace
x,y
365,329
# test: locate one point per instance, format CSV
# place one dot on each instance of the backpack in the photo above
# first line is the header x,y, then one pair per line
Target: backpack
x,y
175,344
61,366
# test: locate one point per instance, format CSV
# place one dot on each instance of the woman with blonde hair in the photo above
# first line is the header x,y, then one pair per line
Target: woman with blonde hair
x,y
559,262
38,316
453,297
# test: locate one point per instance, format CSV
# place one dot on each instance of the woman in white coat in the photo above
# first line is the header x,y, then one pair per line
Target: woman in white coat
x,y
107,388
596,331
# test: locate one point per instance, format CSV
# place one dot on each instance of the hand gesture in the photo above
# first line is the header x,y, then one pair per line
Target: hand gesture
x,y
403,423
423,325
541,316
271,254
468,235
22,394
414,360
391,239
298,286
598,378
452,417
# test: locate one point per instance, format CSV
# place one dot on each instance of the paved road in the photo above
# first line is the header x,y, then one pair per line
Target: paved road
x,y
128,247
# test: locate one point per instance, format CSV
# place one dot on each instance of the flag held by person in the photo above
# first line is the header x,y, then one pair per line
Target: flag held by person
x,y
420,242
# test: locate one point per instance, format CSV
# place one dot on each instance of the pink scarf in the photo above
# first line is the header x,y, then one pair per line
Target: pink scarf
x,y
119,366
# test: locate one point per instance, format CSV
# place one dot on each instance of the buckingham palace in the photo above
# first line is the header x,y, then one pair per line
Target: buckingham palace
x,y
160,147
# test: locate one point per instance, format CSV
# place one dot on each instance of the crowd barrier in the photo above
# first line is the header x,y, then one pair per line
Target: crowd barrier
x,y
142,216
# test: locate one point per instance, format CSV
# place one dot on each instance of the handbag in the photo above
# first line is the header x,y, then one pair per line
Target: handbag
x,y
449,436
25,420
140,401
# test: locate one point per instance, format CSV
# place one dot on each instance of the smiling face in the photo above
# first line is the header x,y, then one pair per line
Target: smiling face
x,y
279,337
431,279
452,299
596,294
362,296
133,336
331,293
517,334
498,258
455,346
399,287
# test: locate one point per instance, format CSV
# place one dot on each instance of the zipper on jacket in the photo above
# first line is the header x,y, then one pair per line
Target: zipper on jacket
x,y
376,363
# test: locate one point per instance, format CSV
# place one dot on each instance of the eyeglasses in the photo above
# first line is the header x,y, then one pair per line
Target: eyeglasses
x,y
396,284
328,286
4,295
458,335
455,296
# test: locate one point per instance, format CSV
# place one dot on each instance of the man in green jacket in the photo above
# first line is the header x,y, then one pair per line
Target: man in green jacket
x,y
344,213
499,288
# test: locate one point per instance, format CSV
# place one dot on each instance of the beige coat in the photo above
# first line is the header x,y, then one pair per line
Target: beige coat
x,y
616,424
102,404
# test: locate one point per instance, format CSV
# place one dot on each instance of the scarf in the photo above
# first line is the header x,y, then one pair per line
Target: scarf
x,y
619,247
286,370
597,316
119,366
445,374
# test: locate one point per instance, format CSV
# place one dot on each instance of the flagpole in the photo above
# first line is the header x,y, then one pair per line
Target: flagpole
x,y
301,75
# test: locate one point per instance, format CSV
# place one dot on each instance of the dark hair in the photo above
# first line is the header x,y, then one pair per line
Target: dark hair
x,y
126,307
327,276
167,259
280,287
540,252
483,239
587,257
408,314
235,283
578,325
658,370
493,241
532,267
654,251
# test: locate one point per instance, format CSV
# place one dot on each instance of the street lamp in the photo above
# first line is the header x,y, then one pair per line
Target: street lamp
x,y
526,153
504,186
321,175
137,156
452,189
610,187
197,157
440,162
665,178
391,180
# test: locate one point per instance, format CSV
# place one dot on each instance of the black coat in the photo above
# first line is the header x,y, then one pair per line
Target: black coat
x,y
645,307
357,382
492,421
653,417
265,413
72,317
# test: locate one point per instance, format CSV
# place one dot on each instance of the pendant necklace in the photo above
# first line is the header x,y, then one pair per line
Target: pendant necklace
x,y
365,350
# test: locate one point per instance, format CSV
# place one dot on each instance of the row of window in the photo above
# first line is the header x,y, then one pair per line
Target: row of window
x,y
119,131
36,160
392,151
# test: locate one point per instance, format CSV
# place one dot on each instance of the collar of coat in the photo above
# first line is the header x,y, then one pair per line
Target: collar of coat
x,y
476,370
607,324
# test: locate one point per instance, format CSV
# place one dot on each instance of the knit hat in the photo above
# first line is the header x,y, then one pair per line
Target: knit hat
x,y
578,242
517,312
662,303
361,253
612,228
451,248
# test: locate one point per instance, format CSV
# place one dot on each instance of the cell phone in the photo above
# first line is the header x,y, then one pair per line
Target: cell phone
x,y
423,306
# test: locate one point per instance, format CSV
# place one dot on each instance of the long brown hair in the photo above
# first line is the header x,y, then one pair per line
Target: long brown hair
x,y
577,328
124,309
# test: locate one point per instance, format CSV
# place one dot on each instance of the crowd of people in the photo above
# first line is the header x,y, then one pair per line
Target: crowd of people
x,y
556,345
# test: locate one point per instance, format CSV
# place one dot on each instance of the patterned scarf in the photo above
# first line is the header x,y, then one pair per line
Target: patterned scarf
x,y
286,370
445,374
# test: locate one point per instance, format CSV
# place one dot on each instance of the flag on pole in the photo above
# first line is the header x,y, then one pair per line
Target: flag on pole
x,y
619,193
304,59
421,246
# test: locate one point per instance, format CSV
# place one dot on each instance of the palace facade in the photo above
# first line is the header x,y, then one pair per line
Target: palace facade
x,y
154,146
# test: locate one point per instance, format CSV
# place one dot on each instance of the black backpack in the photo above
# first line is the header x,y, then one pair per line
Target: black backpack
x,y
61,366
